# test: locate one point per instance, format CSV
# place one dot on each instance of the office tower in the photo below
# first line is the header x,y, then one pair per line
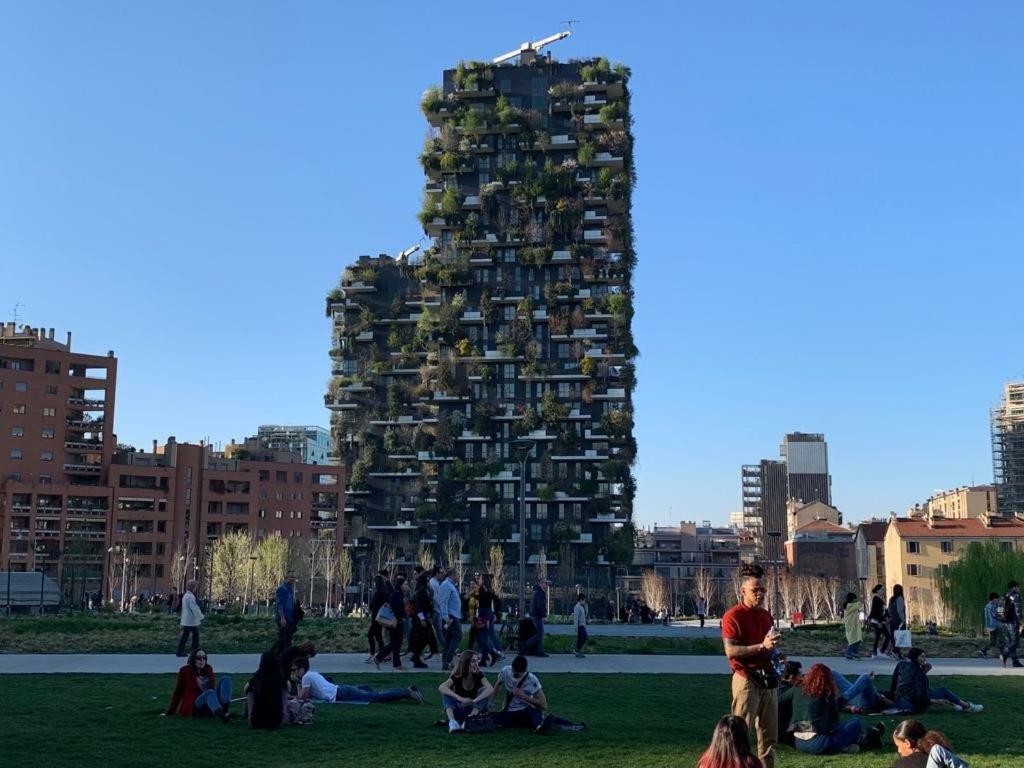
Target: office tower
x,y
1008,450
764,503
513,325
807,477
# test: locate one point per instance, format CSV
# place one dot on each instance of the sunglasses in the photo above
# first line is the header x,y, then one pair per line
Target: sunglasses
x,y
200,658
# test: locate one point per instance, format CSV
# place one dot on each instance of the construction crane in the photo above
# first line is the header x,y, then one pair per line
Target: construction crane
x,y
528,51
403,257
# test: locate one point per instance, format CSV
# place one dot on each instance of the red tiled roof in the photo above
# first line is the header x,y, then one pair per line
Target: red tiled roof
x,y
967,528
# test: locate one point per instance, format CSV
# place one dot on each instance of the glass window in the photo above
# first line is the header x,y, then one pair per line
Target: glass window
x,y
47,434
21,386
913,547
51,389
15,453
19,409
49,411
46,456
17,431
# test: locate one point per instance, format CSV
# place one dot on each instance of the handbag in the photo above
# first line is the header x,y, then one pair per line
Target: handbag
x,y
482,723
901,638
386,617
479,622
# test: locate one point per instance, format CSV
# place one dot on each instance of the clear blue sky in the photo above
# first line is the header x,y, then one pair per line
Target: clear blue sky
x,y
829,214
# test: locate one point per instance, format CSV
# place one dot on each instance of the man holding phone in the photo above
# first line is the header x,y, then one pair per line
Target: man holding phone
x,y
749,638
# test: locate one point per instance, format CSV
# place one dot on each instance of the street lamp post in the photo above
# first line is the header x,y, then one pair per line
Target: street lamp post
x,y
524,449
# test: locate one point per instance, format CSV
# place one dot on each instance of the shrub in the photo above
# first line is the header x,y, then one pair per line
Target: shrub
x,y
433,100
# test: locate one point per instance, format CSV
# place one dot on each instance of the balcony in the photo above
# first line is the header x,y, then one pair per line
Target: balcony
x,y
87,404
83,469
84,445
89,425
607,160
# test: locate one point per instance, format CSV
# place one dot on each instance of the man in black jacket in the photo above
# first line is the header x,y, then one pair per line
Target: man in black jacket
x,y
538,612
911,692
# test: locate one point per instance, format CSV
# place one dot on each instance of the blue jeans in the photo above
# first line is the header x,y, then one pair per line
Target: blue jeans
x,y
210,703
827,744
535,645
493,633
452,638
934,694
581,638
365,693
1013,641
528,717
461,711
483,634
853,649
861,693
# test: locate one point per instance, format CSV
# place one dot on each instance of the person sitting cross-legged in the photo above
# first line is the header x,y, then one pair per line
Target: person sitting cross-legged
x,y
315,687
197,693
525,701
466,693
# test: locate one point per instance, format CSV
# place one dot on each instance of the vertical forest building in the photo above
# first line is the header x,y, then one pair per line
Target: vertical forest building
x,y
511,331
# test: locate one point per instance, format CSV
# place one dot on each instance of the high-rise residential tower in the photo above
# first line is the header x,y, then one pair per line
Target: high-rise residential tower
x,y
807,477
513,326
1008,450
764,504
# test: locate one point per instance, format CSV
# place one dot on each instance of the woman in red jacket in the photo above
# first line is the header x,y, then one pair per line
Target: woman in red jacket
x,y
197,693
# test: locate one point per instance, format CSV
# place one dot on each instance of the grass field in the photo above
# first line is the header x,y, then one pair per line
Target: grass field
x,y
158,633
634,720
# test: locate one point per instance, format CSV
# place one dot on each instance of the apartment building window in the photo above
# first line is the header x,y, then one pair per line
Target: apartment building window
x,y
1006,546
278,513
45,480
47,434
263,513
188,474
264,475
279,496
300,515
17,431
913,547
52,366
51,389
46,456
49,411
281,477
913,570
947,547
161,527
297,477
263,495
18,409
15,453
21,386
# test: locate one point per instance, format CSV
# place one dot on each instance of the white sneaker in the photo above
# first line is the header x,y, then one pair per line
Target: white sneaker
x,y
453,726
972,708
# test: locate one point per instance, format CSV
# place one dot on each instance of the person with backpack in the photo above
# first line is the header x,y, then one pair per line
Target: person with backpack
x,y
879,621
897,617
1008,614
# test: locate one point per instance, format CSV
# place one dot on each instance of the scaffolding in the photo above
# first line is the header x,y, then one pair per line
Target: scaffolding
x,y
1008,450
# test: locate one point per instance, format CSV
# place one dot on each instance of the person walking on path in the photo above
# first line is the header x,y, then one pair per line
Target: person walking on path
x,y
422,627
579,621
852,625
879,622
538,612
1011,616
702,610
449,603
284,611
396,602
191,618
434,583
375,634
897,617
749,638
995,628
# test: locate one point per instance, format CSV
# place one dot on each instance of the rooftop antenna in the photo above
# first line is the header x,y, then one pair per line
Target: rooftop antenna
x,y
15,313
527,52
569,22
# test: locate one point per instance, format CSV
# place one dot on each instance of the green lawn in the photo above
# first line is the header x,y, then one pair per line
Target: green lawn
x,y
634,720
158,633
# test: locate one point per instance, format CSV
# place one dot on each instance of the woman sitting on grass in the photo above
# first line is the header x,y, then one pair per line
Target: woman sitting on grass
x,y
816,727
918,748
730,746
267,694
910,689
466,692
196,692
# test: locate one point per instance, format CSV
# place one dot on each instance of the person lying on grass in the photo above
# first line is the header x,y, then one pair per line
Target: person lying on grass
x,y
197,693
466,693
920,748
315,687
525,701
911,692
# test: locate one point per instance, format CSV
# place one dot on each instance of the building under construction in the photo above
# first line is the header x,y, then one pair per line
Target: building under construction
x,y
1008,449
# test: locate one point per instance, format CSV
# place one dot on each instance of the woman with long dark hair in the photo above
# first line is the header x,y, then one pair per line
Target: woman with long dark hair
x,y
879,622
897,616
815,725
920,748
422,634
484,619
730,746
266,694
375,634
197,692
466,692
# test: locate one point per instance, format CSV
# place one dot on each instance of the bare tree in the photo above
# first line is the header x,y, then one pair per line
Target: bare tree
x,y
789,592
179,566
819,596
453,556
704,586
833,588
496,565
940,610
271,563
654,591
736,582
426,557
542,564
345,570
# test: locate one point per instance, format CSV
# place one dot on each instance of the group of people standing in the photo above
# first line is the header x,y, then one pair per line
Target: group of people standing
x,y
810,704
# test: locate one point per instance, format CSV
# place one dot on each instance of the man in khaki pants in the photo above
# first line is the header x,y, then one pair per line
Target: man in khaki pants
x,y
749,637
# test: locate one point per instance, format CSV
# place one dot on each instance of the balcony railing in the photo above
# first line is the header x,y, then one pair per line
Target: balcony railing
x,y
83,402
88,469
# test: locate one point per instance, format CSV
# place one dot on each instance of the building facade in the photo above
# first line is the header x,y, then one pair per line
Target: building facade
x,y
916,549
869,546
1008,449
764,506
56,442
807,477
963,502
511,333
312,444
822,548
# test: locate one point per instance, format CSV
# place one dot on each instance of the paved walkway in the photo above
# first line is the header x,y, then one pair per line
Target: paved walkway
x,y
354,663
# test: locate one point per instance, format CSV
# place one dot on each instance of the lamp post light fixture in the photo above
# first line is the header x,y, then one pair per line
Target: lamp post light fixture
x,y
524,450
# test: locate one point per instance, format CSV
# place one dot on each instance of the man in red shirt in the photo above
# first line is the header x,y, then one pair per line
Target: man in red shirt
x,y
749,637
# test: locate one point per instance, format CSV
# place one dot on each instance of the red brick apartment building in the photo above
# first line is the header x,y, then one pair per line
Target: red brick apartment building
x,y
76,509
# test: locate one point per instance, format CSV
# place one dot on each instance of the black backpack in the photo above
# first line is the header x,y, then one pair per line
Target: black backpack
x,y
1006,611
